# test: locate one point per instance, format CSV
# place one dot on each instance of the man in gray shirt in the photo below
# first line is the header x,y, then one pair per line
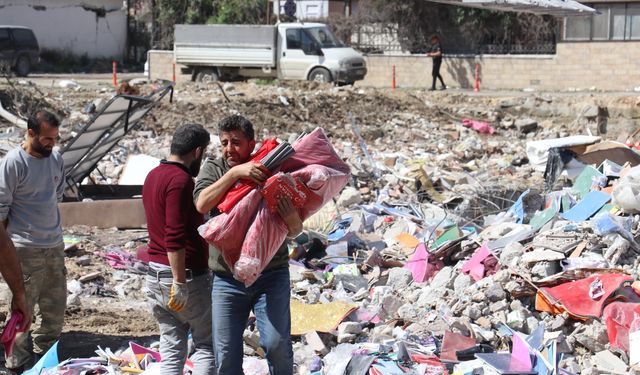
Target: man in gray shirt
x,y
31,185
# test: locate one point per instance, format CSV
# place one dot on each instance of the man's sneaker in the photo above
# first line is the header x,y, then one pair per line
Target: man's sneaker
x,y
443,88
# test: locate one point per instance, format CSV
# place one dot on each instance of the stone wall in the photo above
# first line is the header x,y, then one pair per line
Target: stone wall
x,y
161,66
611,66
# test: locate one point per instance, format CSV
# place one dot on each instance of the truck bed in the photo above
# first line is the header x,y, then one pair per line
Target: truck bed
x,y
226,45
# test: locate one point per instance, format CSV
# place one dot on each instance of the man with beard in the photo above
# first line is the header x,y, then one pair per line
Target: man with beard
x,y
179,280
269,295
31,185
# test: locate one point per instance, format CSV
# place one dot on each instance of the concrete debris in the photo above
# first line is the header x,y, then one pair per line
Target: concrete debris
x,y
526,125
441,229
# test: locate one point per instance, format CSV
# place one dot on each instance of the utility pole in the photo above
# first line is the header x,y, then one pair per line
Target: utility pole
x,y
153,24
127,54
268,20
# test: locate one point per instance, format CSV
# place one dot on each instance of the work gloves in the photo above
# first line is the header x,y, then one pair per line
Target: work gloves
x,y
178,296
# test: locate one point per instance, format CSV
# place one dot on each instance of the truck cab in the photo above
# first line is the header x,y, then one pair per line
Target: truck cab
x,y
310,51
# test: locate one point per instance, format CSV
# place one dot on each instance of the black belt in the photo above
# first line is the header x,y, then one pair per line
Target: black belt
x,y
167,274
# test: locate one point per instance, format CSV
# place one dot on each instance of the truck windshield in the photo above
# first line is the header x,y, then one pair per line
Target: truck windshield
x,y
324,37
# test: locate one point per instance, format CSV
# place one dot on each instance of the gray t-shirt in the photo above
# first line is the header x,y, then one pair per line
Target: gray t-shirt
x,y
30,189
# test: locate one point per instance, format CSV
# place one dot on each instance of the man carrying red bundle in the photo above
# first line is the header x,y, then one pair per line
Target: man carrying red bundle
x,y
269,296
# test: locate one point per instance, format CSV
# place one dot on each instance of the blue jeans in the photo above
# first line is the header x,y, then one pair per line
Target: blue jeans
x,y
231,304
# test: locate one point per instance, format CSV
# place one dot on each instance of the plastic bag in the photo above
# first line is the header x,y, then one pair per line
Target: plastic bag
x,y
604,223
268,230
626,193
249,235
479,126
336,362
618,317
634,340
255,366
314,148
226,231
8,337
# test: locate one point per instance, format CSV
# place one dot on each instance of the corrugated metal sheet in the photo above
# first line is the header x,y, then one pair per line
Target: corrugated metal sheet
x,y
226,45
552,7
226,35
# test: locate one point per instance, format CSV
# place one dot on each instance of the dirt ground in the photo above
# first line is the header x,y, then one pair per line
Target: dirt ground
x,y
413,122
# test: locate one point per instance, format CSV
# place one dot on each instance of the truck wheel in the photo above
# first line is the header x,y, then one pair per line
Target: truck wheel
x,y
320,75
207,76
23,66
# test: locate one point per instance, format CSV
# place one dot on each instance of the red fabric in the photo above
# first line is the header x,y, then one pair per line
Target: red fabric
x,y
249,235
574,295
268,230
10,330
618,317
314,148
172,218
242,188
227,231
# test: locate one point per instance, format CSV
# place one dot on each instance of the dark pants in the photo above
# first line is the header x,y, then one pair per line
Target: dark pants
x,y
435,73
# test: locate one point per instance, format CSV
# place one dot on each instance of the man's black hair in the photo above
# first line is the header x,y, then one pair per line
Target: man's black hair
x,y
187,138
35,121
237,122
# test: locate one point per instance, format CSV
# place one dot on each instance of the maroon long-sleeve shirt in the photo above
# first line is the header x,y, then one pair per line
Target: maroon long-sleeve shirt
x,y
172,218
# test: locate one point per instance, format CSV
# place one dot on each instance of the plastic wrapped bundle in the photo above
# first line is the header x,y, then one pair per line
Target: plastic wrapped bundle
x,y
226,231
268,230
249,234
314,148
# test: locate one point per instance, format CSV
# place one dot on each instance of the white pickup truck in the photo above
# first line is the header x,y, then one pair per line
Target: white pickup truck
x,y
303,51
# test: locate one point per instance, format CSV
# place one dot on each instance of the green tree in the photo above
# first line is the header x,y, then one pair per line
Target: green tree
x,y
239,12
462,29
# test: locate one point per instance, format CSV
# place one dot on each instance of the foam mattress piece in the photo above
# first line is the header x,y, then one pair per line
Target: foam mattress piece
x,y
538,151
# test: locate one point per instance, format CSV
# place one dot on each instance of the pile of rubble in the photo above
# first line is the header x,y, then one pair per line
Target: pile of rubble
x,y
450,252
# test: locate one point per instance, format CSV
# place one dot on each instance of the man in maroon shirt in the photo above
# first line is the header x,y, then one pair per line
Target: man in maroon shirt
x,y
179,281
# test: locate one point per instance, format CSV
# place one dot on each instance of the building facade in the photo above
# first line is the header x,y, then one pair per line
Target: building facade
x,y
95,28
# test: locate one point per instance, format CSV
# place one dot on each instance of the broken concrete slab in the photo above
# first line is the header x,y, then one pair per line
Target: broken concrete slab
x,y
119,213
526,125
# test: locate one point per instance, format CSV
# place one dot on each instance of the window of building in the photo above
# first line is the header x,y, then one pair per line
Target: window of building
x,y
633,21
577,28
600,23
620,21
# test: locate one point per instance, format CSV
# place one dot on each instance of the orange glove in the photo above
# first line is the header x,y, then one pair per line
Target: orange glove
x,y
178,297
